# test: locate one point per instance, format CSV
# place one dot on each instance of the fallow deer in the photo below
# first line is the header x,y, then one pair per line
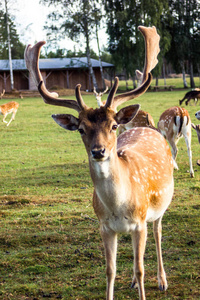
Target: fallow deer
x,y
1,94
195,94
99,96
174,123
132,174
8,108
142,119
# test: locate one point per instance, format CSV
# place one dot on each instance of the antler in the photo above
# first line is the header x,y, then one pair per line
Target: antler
x,y
151,51
31,56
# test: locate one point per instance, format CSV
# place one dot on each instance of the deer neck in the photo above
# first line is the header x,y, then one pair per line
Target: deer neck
x,y
108,179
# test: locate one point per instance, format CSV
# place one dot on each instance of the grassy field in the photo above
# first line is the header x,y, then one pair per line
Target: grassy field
x,y
176,82
50,245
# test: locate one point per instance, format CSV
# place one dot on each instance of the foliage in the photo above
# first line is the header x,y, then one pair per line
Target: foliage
x,y
184,30
83,17
17,48
125,41
50,245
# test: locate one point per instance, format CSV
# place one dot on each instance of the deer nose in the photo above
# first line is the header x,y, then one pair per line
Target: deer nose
x,y
98,153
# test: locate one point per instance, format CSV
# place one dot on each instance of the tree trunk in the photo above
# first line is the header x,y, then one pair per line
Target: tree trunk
x,y
184,77
91,72
100,62
164,76
192,84
9,49
156,81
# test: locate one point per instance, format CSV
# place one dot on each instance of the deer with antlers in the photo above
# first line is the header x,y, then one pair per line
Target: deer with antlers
x,y
132,174
99,96
9,108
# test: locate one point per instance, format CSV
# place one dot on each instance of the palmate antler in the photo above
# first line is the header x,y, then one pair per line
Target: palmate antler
x,y
31,56
151,51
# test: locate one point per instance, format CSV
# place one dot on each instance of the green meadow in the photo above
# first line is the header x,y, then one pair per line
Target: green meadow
x,y
50,245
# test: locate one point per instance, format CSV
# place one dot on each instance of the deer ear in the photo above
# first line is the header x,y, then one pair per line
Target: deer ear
x,y
127,113
68,122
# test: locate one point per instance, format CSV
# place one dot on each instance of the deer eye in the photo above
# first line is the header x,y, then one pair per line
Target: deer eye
x,y
114,127
81,131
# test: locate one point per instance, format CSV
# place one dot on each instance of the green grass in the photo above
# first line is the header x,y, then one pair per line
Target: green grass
x,y
176,82
50,245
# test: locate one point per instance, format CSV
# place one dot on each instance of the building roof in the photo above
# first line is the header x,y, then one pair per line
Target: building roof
x,y
53,63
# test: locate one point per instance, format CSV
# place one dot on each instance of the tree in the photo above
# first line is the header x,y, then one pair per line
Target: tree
x,y
80,21
17,48
185,32
125,42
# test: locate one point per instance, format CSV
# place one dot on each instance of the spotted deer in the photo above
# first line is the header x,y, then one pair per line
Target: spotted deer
x,y
174,123
132,174
142,119
8,108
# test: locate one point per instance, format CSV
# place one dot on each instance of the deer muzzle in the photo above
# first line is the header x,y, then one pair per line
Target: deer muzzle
x,y
98,153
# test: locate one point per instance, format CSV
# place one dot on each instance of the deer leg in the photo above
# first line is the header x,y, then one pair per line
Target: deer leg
x,y
174,151
12,118
157,229
4,119
139,236
110,245
187,137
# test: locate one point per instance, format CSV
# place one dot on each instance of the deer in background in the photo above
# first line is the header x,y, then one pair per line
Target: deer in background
x,y
195,94
1,94
174,123
142,119
8,108
99,96
132,174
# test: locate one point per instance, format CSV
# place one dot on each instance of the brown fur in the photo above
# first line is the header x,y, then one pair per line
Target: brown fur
x,y
195,95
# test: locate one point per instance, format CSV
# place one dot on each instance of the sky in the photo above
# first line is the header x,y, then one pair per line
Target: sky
x,y
30,17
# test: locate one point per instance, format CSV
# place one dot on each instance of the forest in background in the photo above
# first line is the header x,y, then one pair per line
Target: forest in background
x,y
177,22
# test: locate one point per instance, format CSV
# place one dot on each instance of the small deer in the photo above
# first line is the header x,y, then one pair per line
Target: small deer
x,y
174,123
195,94
99,96
132,174
1,94
8,108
